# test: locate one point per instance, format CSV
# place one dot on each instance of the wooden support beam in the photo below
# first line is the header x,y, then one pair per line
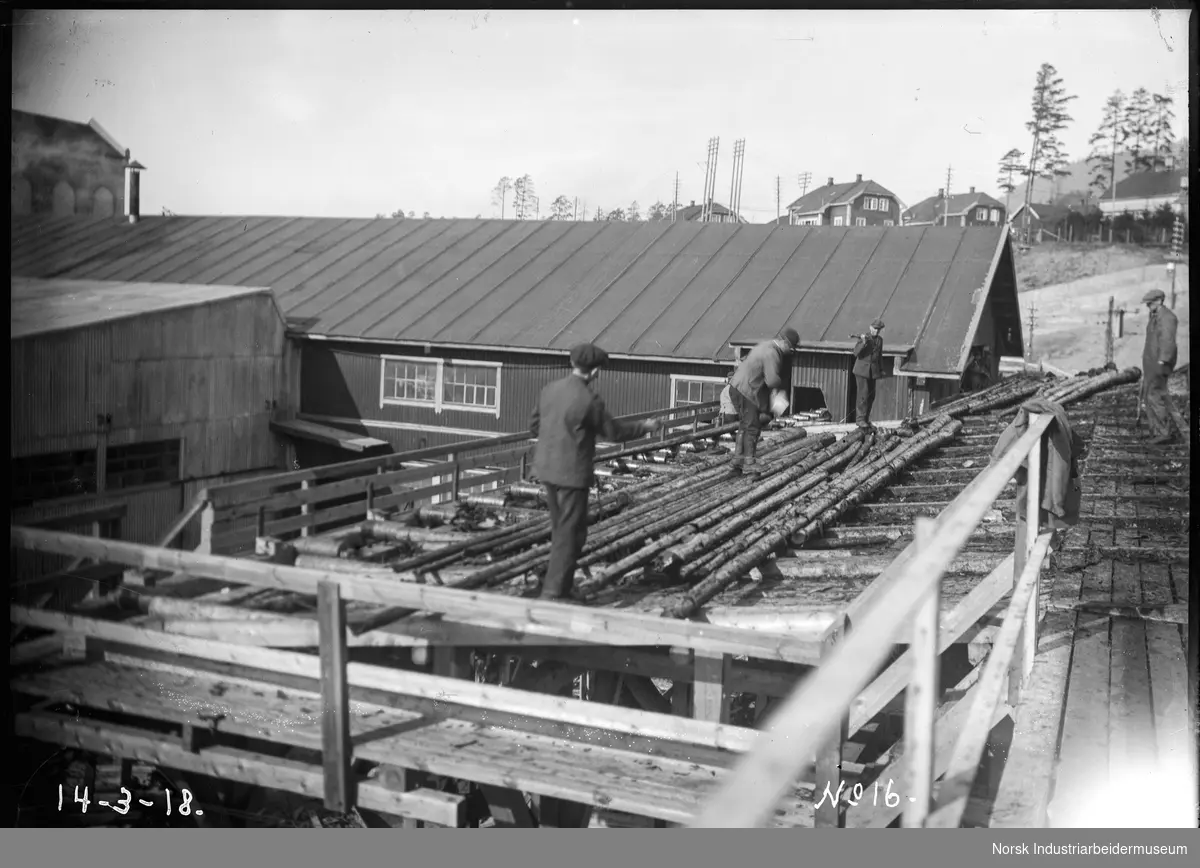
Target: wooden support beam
x,y
829,811
335,696
920,706
231,764
989,692
1027,531
601,626
628,721
708,689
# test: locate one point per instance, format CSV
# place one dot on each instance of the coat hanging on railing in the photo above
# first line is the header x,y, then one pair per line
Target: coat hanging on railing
x,y
1059,472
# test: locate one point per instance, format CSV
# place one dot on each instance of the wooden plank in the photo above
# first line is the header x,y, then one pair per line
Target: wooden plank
x,y
316,433
335,698
582,770
708,688
184,519
602,626
103,514
921,700
1130,713
617,719
811,714
1083,749
1027,531
231,764
968,751
828,812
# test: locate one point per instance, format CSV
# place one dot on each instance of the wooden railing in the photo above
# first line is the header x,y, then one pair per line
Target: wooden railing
x,y
906,601
299,502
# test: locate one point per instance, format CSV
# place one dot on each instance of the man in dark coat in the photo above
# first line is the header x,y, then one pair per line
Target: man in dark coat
x,y
868,367
1158,360
567,420
759,375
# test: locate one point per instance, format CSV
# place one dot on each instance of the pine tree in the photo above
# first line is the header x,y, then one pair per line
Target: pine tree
x,y
1049,106
1106,142
1162,141
1012,165
500,193
1139,131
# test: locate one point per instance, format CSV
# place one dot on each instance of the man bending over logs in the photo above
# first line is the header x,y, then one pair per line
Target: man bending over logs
x,y
566,422
756,384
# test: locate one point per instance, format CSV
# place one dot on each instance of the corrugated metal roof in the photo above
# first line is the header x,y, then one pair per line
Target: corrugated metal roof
x,y
43,306
1147,185
680,290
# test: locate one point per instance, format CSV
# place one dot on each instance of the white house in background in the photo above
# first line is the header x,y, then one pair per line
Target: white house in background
x,y
1146,192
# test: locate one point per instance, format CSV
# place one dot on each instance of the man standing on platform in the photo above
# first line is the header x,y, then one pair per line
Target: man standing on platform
x,y
567,420
754,384
1158,360
868,367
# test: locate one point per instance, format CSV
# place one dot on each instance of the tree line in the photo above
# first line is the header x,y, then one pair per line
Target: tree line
x,y
1138,126
527,206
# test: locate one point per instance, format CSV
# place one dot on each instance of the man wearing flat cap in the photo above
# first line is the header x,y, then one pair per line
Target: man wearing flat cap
x,y
568,418
868,367
1158,360
757,381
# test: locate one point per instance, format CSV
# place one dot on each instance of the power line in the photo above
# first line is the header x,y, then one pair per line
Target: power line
x,y
946,210
803,180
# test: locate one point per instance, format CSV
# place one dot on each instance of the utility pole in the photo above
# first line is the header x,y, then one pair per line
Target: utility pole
x,y
778,210
1032,323
803,179
577,208
1108,334
946,210
675,207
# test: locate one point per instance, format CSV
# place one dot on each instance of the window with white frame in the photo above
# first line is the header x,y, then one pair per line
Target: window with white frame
x,y
860,221
686,391
884,205
869,203
837,221
441,384
995,215
981,214
889,222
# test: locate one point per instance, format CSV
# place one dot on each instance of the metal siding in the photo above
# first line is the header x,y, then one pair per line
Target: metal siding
x,y
429,280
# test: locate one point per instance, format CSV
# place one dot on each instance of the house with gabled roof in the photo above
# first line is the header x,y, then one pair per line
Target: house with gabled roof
x,y
1145,193
960,209
854,203
718,213
68,169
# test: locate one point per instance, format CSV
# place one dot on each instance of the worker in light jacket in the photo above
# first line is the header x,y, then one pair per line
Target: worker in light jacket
x,y
868,367
757,379
1158,360
567,420
726,415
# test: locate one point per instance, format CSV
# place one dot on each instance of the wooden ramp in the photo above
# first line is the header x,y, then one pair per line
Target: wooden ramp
x,y
1103,737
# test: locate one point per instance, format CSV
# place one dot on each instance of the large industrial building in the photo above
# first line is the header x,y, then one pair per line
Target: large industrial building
x,y
424,332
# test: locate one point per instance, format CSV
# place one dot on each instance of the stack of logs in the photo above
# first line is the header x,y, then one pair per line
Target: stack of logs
x,y
702,525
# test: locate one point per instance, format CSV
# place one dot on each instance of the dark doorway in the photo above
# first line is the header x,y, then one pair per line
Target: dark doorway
x,y
805,398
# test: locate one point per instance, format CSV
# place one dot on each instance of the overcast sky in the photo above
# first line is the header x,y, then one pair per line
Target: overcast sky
x,y
351,113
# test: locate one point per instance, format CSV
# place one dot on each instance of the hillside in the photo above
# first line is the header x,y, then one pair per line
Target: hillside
x,y
1047,264
1067,190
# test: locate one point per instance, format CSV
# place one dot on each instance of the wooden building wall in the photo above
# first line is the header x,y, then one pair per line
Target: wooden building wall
x,y
208,378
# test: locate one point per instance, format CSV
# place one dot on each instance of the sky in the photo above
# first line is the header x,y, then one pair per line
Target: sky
x,y
352,113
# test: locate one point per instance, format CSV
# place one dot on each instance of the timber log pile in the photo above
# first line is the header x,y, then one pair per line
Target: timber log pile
x,y
679,514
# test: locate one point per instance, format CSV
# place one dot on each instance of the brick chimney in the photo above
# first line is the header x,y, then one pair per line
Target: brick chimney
x,y
133,188
830,184
972,189
858,179
941,192
693,205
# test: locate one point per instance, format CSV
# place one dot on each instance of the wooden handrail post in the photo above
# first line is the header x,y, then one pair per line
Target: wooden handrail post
x,y
921,698
830,811
335,698
454,480
306,508
1026,537
370,497
208,517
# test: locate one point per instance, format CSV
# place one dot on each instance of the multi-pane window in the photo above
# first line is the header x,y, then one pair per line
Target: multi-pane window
x,y
409,381
981,214
471,386
889,222
697,390
869,203
134,464
860,221
46,477
439,384
837,221
995,215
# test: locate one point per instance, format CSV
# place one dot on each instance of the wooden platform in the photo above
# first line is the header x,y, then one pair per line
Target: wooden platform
x,y
1103,736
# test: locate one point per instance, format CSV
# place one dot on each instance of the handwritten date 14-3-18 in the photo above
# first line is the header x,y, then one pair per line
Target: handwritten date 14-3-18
x,y
122,805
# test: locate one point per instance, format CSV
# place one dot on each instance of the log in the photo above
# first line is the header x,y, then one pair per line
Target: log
x,y
326,546
969,563
388,531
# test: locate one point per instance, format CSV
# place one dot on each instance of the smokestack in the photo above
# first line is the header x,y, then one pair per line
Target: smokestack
x,y
693,205
858,179
972,189
133,191
941,192
830,182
